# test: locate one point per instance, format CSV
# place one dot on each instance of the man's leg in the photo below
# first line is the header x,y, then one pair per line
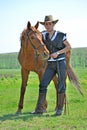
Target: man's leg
x,y
61,68
47,77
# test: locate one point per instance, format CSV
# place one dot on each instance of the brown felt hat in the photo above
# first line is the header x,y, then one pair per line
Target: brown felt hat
x,y
49,18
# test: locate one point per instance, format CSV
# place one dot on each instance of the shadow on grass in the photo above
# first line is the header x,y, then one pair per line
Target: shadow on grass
x,y
22,116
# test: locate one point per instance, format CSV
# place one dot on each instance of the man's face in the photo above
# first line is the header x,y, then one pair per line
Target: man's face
x,y
49,26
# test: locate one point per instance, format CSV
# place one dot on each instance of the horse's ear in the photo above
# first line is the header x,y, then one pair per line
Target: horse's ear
x,y
37,24
28,25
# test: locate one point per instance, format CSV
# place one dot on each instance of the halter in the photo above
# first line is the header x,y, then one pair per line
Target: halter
x,y
37,53
33,46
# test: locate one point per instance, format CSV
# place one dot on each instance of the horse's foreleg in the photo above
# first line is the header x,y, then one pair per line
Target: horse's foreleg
x,y
24,75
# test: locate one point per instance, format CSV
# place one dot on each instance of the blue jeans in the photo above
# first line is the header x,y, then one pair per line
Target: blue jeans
x,y
53,68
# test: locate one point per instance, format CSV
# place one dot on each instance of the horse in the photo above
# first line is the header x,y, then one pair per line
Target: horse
x,y
33,57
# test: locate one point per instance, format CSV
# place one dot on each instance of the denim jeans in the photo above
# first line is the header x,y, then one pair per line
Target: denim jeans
x,y
53,68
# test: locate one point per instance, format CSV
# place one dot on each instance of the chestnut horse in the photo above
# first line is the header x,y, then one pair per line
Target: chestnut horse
x,y
32,58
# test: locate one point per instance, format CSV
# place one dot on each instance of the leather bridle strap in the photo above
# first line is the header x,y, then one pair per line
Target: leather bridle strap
x,y
33,46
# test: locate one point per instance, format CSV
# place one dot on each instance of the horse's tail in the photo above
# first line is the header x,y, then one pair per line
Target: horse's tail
x,y
73,79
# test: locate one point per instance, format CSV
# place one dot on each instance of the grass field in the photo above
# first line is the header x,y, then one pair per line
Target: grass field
x,y
75,118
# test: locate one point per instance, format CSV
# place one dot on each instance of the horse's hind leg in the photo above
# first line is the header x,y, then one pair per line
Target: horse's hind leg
x,y
24,75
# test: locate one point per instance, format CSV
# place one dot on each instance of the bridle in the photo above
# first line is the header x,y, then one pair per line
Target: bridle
x,y
36,49
37,53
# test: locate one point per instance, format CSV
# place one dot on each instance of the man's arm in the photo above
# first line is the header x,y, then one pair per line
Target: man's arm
x,y
64,50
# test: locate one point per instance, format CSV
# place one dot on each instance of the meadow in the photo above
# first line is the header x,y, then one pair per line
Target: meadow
x,y
76,112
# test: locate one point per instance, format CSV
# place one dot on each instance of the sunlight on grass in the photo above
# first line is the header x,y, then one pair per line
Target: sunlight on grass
x,y
9,98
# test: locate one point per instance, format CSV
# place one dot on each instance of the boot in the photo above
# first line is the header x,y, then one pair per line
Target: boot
x,y
39,107
60,104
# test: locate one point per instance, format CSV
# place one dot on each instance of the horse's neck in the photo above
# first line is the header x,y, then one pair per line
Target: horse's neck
x,y
27,52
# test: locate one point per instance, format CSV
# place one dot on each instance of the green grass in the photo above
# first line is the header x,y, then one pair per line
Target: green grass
x,y
9,97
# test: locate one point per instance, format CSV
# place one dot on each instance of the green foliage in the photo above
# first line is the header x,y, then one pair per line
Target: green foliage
x,y
9,97
79,57
9,61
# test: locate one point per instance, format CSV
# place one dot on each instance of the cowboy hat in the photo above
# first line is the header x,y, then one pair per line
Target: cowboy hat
x,y
49,18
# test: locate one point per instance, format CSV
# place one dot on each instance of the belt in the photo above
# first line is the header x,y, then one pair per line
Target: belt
x,y
62,58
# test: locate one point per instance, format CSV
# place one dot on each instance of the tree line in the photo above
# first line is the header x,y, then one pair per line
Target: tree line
x,y
78,59
9,61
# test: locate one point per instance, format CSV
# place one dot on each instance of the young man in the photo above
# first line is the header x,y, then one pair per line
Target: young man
x,y
57,45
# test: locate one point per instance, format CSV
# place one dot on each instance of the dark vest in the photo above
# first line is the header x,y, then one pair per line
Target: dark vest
x,y
56,44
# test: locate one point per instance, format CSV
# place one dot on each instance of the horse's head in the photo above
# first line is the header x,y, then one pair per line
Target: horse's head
x,y
31,40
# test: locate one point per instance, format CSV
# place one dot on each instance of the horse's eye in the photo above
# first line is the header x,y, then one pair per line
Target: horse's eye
x,y
32,37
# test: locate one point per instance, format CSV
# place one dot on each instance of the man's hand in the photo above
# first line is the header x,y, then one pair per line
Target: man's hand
x,y
54,55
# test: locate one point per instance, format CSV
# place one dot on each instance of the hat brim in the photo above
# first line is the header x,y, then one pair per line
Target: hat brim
x,y
54,22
